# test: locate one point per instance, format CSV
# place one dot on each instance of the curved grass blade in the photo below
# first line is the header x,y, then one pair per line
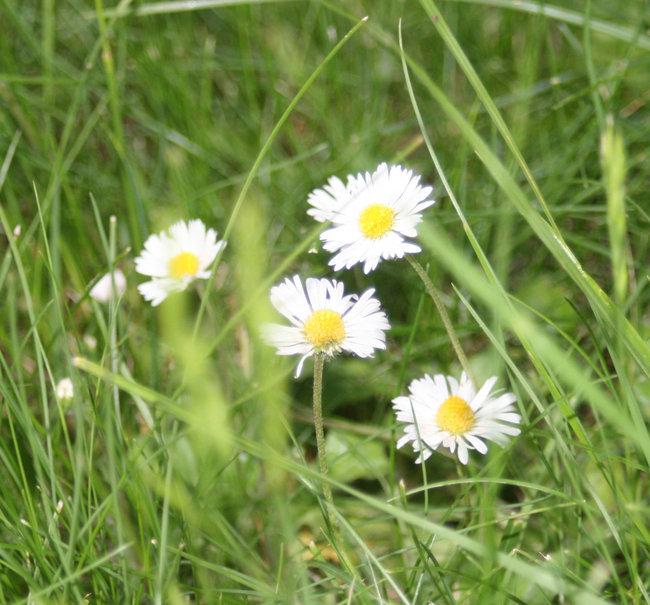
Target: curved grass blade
x,y
604,308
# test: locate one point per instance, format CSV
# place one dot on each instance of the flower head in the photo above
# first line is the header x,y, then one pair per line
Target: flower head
x,y
373,216
441,411
64,389
176,258
104,289
325,320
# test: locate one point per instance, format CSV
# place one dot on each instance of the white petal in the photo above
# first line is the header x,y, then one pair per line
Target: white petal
x,y
462,453
477,444
483,394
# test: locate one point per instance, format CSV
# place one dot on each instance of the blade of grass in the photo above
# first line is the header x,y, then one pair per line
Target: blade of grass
x,y
607,312
542,578
181,6
260,157
446,251
478,86
591,70
558,13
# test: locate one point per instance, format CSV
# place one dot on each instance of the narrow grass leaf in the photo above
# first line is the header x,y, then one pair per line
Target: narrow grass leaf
x,y
565,15
603,306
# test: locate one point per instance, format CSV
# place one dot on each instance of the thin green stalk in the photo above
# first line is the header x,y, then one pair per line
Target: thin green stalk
x,y
134,210
112,310
433,293
603,306
571,17
159,585
319,364
591,70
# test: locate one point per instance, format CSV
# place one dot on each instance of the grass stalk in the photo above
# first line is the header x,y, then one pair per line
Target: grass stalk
x,y
444,316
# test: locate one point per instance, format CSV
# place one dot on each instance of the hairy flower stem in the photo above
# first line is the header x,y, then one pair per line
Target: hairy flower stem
x,y
319,363
433,293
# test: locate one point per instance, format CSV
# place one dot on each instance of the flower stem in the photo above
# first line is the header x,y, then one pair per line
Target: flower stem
x,y
433,293
319,363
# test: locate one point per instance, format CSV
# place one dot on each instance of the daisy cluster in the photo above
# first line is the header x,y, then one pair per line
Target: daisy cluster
x,y
371,217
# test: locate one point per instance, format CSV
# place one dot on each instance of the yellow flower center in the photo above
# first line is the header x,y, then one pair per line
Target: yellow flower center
x,y
183,264
455,416
375,220
324,328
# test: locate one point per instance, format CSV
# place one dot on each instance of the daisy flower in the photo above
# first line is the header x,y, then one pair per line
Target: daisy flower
x,y
64,389
103,290
372,216
176,258
325,320
441,411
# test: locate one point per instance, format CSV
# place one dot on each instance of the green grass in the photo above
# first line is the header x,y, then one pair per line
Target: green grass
x,y
184,469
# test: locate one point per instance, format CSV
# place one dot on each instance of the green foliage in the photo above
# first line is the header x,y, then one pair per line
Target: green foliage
x,y
184,468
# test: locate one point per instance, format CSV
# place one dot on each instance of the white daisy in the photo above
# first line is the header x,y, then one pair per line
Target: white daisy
x,y
372,216
440,411
177,258
324,320
110,286
64,390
